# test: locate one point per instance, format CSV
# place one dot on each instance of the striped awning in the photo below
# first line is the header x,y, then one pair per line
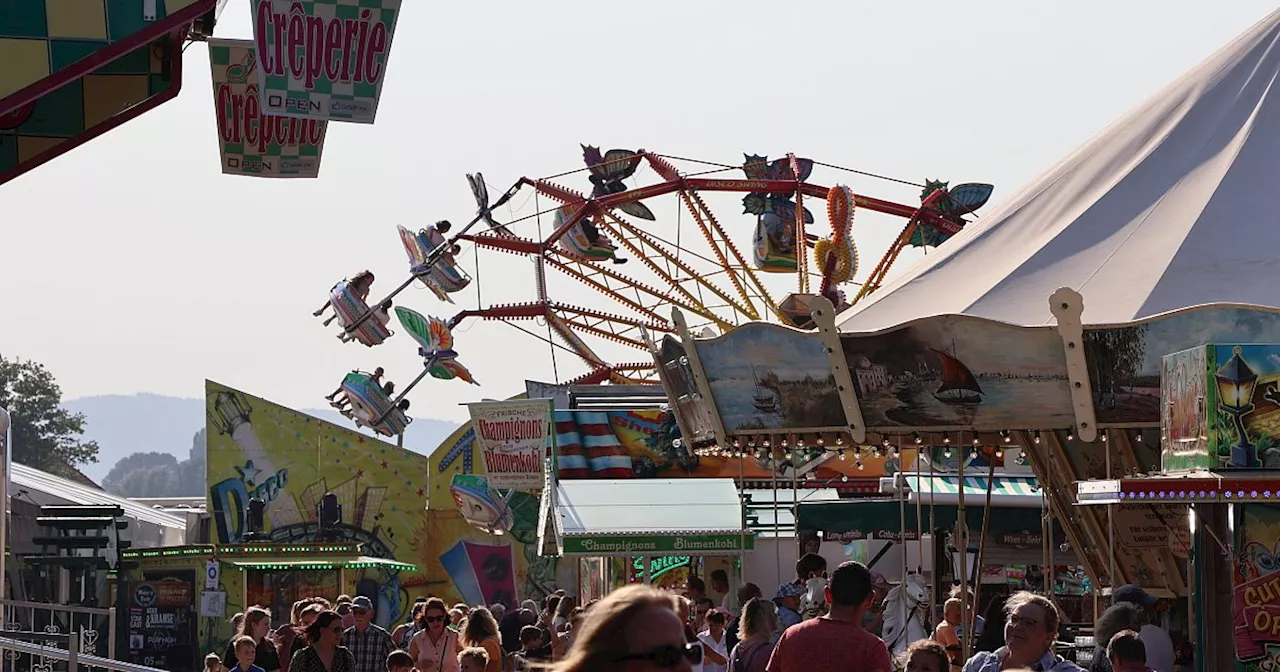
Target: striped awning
x,y
1007,490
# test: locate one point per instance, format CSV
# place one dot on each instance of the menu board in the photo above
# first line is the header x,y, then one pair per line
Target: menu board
x,y
162,621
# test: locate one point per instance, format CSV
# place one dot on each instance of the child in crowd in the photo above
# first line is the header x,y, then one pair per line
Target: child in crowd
x,y
399,661
212,663
474,659
246,650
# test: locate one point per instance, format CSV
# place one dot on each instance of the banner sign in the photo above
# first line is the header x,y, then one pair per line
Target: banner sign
x,y
323,59
678,544
514,437
250,140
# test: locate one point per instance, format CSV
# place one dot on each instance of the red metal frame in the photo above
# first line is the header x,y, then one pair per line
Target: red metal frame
x,y
178,22
147,105
1211,487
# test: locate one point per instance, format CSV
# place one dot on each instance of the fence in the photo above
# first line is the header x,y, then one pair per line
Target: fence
x,y
20,656
52,632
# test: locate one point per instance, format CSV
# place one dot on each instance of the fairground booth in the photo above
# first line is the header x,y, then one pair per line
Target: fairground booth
x,y
1042,327
632,531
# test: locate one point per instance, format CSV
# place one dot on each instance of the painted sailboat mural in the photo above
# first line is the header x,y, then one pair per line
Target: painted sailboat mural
x,y
763,399
959,385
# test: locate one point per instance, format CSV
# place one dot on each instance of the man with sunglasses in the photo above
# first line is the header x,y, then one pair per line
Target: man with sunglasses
x,y
836,641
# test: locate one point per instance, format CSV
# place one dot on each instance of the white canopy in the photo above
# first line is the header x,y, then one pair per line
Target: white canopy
x,y
1176,204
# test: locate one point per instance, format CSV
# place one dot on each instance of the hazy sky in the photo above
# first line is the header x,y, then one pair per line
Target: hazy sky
x,y
133,265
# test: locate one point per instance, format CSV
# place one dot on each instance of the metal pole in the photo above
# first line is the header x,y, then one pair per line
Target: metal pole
x,y
6,443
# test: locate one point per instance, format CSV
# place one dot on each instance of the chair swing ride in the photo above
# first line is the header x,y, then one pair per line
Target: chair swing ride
x,y
614,241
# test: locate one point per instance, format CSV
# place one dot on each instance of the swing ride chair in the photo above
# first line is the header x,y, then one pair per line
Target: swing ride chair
x,y
371,407
353,314
593,233
435,271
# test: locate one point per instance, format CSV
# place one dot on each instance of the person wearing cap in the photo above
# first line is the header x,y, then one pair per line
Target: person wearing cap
x,y
873,618
835,641
368,643
788,601
1159,646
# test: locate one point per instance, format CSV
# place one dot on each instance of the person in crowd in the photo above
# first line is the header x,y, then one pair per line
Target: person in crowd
x,y
368,643
992,638
212,663
405,631
570,630
435,647
948,631
481,631
1127,652
809,566
965,623
246,652
745,593
633,628
873,619
298,641
342,605
531,646
755,629
236,620
475,659
788,601
256,625
399,661
563,609
1117,618
324,651
1160,652
837,640
701,607
684,609
456,617
695,588
1029,634
720,586
498,610
545,617
926,655
715,652
510,625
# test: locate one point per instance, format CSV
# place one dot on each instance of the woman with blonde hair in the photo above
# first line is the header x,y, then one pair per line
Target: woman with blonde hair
x,y
755,632
480,630
257,624
635,624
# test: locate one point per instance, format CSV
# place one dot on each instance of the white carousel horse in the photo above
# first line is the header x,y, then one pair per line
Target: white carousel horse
x,y
904,613
813,602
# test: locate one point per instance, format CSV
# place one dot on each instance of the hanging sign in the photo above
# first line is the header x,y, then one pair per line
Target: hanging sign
x,y
693,544
212,574
250,140
323,59
514,438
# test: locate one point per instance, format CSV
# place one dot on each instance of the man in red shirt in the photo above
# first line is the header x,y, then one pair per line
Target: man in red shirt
x,y
836,641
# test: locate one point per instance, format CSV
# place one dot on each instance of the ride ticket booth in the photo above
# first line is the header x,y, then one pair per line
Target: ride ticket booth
x,y
653,531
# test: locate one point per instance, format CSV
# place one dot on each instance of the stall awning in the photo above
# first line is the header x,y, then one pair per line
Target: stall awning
x,y
683,516
888,519
1006,491
361,562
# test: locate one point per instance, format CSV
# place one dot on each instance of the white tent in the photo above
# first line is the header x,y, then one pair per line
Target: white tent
x,y
1174,205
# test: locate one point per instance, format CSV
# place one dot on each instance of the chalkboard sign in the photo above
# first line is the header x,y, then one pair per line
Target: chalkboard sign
x,y
162,621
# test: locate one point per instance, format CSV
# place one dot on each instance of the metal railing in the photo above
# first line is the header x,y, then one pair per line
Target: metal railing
x,y
20,656
60,625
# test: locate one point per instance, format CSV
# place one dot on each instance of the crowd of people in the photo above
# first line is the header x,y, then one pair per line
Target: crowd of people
x,y
642,629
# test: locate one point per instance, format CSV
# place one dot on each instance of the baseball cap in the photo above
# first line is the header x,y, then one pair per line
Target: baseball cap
x,y
1134,594
878,580
361,603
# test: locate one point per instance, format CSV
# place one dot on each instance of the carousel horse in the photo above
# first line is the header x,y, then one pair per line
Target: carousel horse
x,y
443,276
372,407
813,603
349,308
435,344
583,240
904,613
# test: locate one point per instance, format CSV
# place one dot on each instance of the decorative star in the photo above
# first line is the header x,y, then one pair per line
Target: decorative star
x,y
248,473
420,492
360,473
384,464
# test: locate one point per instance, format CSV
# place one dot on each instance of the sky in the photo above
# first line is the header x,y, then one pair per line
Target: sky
x,y
133,265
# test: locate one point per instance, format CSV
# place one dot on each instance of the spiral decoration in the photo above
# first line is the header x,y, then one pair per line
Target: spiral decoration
x,y
840,208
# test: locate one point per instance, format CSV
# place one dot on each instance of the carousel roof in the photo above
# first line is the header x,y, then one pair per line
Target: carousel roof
x,y
1169,207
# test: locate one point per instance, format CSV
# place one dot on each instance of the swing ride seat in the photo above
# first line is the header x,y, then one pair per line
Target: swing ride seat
x,y
576,242
769,254
442,277
481,505
435,344
349,308
369,402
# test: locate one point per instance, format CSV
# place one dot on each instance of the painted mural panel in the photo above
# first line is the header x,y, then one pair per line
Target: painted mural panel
x,y
291,460
1124,362
766,377
1255,601
1183,377
955,371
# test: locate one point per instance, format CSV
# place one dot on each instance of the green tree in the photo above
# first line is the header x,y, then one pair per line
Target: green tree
x,y
45,435
159,474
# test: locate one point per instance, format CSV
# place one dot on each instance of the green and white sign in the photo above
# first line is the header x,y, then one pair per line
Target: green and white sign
x,y
251,141
323,59
675,544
